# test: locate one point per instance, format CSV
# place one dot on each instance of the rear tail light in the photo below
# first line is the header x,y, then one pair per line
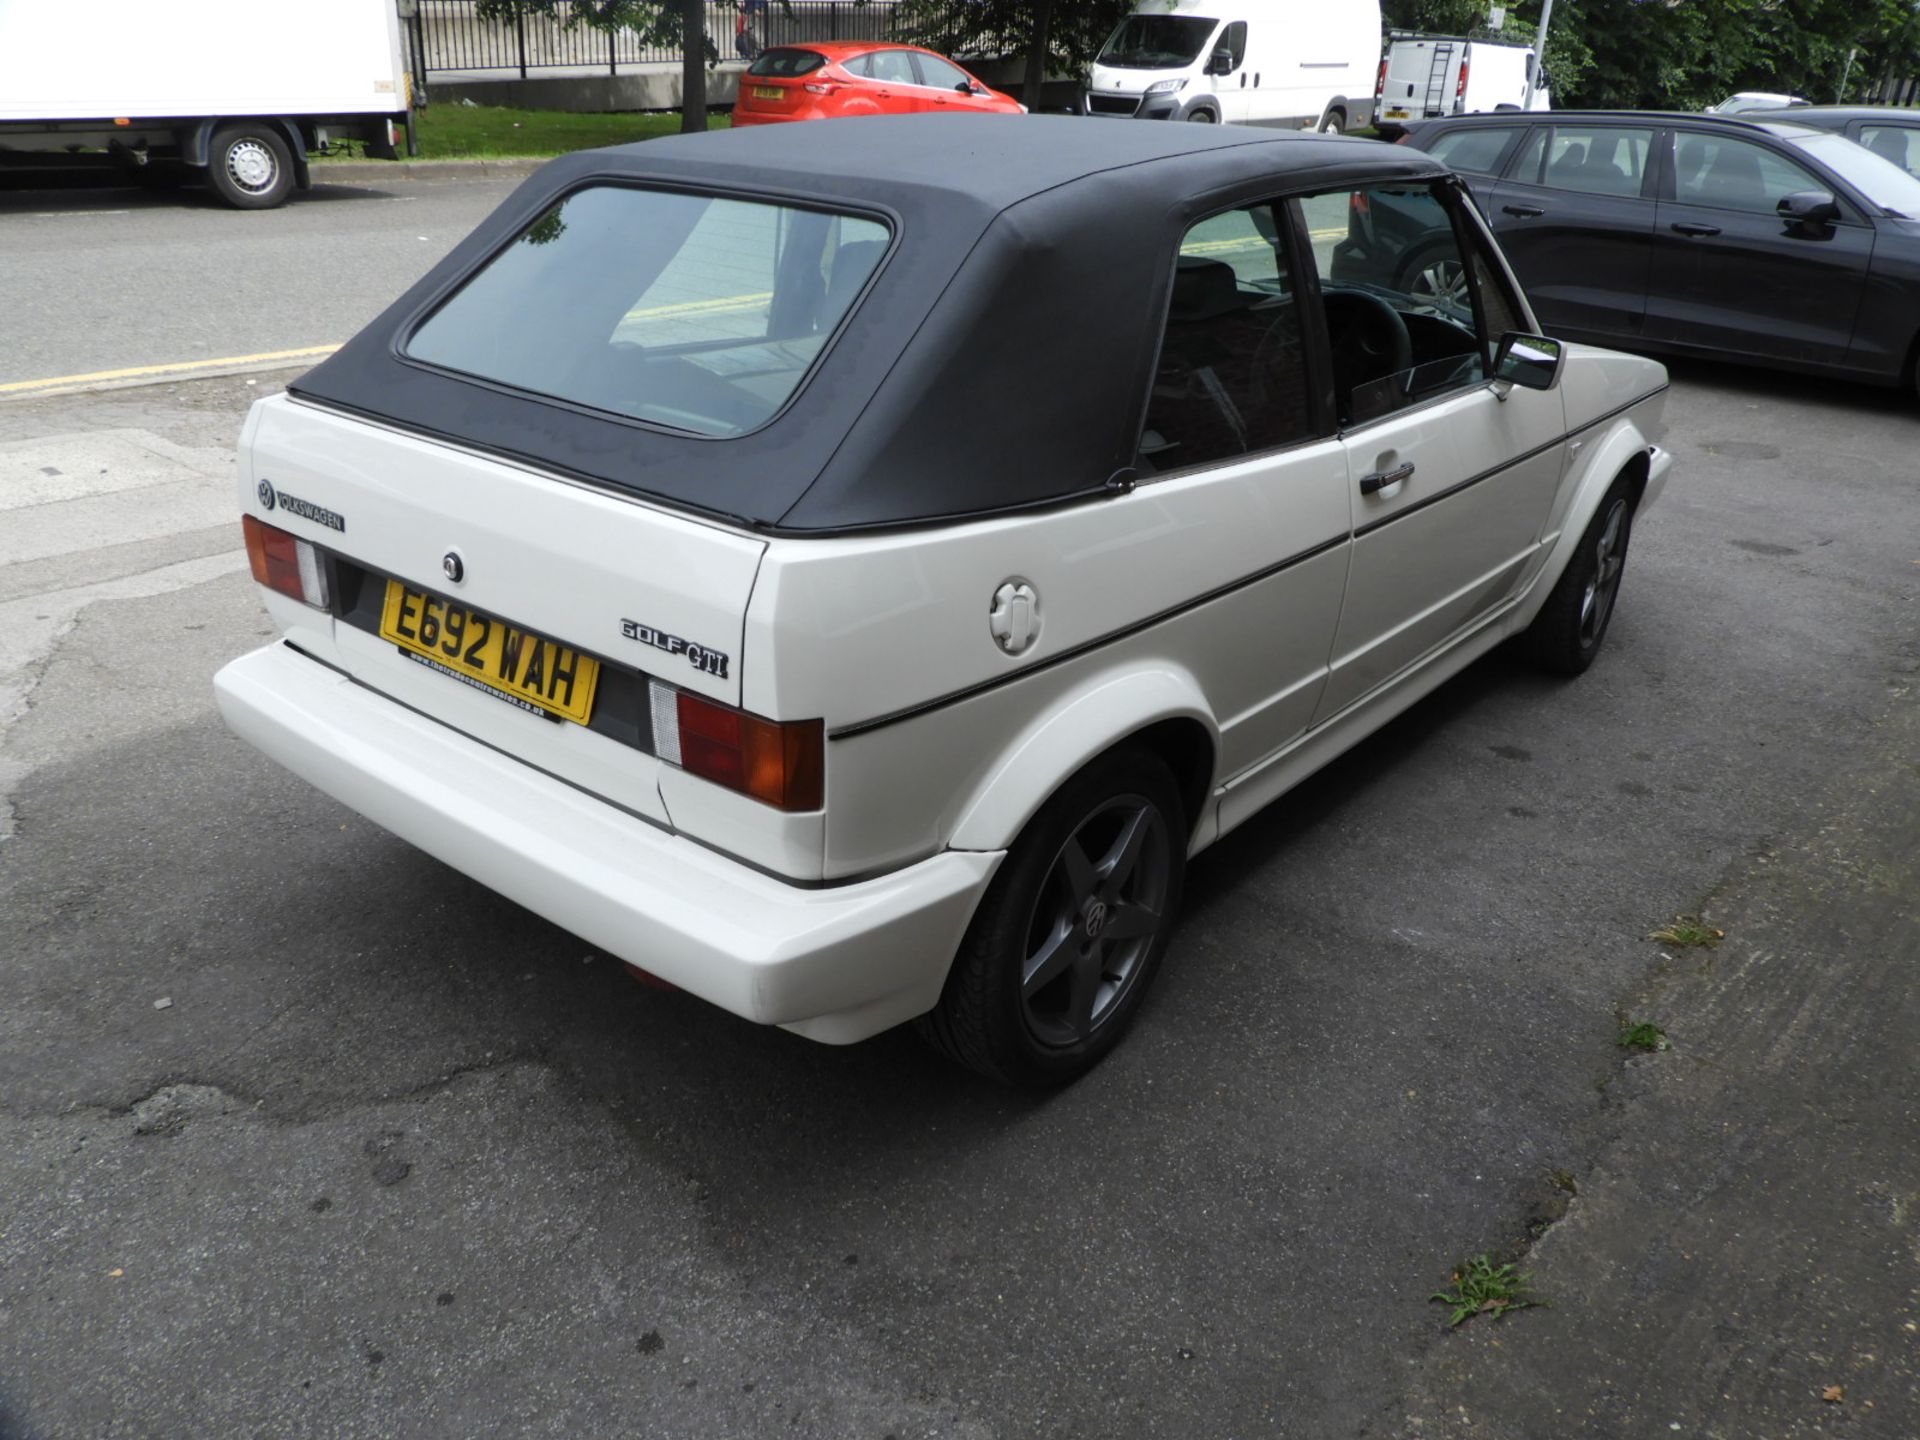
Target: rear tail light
x,y
1380,84
814,87
1460,87
783,765
1359,204
284,563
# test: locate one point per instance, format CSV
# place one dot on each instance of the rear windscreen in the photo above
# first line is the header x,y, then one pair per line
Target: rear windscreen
x,y
787,63
693,312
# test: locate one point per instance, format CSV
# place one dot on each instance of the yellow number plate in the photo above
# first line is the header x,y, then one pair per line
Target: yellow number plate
x,y
768,92
528,670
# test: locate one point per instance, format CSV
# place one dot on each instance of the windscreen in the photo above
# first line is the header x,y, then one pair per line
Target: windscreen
x,y
1882,182
1156,42
693,312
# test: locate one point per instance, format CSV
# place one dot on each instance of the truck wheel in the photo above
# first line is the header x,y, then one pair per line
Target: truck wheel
x,y
250,167
1335,123
1066,942
1202,117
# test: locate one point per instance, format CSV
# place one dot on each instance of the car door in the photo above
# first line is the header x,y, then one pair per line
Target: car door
x,y
1235,89
940,85
1451,479
894,83
1575,216
1236,429
1730,275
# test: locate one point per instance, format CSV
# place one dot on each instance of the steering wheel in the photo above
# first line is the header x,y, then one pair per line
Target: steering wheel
x,y
1369,339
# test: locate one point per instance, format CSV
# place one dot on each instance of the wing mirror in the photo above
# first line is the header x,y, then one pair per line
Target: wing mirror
x,y
1221,63
1809,207
964,87
1529,361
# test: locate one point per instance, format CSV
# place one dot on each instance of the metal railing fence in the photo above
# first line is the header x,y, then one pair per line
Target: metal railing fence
x,y
446,35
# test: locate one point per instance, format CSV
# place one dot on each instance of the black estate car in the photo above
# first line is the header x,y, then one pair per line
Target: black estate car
x,y
1758,240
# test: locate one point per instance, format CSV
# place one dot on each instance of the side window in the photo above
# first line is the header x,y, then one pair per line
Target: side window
x,y
938,73
892,66
1232,376
1730,174
1233,40
1476,150
1398,298
1592,159
1896,143
860,65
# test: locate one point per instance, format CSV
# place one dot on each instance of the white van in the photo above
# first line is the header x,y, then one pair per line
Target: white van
x,y
1296,64
1424,77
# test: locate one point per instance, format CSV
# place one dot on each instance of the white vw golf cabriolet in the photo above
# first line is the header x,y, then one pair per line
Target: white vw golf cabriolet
x,y
848,570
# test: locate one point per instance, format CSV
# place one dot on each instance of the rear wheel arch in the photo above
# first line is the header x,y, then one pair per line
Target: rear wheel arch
x,y
1162,710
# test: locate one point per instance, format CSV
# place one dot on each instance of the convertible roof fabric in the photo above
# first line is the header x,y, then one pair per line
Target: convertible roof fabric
x,y
1001,357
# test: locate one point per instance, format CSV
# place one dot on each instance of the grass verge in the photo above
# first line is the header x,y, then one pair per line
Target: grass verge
x,y
495,132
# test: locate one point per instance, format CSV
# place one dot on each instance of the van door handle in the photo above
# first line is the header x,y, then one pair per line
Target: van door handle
x,y
1380,479
1524,212
1693,227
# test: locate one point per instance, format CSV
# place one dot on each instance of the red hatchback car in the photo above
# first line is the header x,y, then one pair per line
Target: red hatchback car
x,y
818,82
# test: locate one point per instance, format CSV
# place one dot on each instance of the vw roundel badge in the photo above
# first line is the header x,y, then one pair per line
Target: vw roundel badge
x,y
266,495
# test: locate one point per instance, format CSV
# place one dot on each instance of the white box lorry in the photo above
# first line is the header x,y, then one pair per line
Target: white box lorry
x,y
237,90
1423,77
1296,64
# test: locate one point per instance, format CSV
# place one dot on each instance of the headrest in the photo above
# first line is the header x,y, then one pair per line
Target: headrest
x,y
1204,288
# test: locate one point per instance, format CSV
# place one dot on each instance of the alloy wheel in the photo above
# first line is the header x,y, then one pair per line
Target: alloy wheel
x,y
1609,560
1099,910
1444,281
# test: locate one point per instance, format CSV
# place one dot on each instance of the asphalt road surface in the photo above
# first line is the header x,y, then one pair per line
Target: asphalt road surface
x,y
116,277
302,1133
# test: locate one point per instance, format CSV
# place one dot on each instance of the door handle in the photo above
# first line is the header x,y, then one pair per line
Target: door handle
x,y
1693,227
1380,479
1524,212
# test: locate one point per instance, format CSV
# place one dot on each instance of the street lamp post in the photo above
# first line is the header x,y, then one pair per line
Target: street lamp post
x,y
1539,55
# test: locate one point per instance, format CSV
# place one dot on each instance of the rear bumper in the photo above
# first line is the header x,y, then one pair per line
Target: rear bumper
x,y
835,964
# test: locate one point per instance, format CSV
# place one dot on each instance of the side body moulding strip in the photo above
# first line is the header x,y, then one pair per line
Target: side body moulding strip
x,y
877,722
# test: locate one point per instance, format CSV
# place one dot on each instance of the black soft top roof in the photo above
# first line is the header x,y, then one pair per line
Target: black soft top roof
x,y
1000,358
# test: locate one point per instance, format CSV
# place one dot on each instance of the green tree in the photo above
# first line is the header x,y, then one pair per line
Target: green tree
x,y
1052,36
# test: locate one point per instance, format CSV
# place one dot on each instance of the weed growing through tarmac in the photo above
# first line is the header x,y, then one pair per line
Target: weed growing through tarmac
x,y
1481,1287
1642,1036
1689,930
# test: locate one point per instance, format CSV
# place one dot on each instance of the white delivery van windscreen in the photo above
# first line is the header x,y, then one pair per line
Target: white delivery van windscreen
x,y
1158,39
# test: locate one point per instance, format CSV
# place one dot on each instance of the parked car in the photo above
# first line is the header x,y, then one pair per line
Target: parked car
x,y
1890,131
1743,102
1754,239
847,572
1423,77
844,78
1297,66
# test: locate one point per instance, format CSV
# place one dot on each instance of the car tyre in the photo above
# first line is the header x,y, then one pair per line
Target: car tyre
x,y
1334,124
1070,933
1567,633
250,166
1202,117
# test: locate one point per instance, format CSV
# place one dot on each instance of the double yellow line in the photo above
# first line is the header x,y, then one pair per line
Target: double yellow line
x,y
184,369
